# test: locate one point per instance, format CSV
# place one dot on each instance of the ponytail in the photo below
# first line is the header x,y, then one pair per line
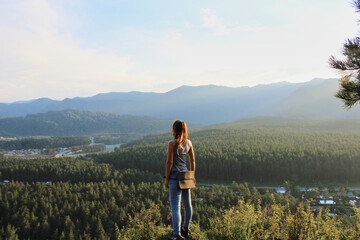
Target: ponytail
x,y
181,134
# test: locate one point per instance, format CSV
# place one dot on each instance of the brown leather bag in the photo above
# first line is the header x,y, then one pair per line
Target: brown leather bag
x,y
186,179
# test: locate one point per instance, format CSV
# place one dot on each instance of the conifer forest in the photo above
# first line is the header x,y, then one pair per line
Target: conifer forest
x,y
121,195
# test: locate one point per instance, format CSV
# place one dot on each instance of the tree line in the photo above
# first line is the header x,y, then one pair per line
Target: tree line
x,y
43,142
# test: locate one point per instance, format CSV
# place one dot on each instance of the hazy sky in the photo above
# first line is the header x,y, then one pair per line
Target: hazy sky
x,y
68,48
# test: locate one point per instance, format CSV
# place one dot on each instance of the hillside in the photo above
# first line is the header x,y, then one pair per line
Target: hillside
x,y
266,124
76,122
290,124
209,104
259,151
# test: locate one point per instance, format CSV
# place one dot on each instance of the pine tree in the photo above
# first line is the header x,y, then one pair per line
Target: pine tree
x,y
10,233
349,90
99,230
117,234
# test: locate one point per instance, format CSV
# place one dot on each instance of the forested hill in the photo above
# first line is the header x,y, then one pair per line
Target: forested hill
x,y
266,124
76,122
290,124
259,152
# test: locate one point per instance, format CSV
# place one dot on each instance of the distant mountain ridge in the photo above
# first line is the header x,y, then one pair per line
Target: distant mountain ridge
x,y
209,104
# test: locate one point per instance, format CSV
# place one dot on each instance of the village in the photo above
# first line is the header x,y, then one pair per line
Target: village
x,y
337,200
73,151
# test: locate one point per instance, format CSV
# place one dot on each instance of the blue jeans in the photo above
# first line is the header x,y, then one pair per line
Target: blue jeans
x,y
176,194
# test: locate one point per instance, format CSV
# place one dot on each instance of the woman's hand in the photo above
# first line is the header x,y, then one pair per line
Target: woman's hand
x,y
167,183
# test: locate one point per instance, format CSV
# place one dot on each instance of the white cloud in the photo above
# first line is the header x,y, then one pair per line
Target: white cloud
x,y
285,52
249,55
39,60
173,35
213,22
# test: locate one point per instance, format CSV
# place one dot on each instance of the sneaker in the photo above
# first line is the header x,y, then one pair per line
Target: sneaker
x,y
179,237
172,237
186,233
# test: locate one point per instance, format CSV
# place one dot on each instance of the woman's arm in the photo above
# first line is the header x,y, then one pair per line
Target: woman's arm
x,y
192,158
169,162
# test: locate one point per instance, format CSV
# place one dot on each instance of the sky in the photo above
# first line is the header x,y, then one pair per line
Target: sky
x,y
78,48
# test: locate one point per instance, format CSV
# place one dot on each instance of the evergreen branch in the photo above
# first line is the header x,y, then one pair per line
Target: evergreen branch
x,y
356,4
349,91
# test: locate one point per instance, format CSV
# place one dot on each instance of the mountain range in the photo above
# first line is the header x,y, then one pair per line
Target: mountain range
x,y
313,100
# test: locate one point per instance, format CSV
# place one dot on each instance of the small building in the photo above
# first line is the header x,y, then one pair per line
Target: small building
x,y
351,195
325,197
352,202
281,190
327,202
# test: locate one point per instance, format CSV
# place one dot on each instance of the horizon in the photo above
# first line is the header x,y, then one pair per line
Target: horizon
x,y
136,91
62,49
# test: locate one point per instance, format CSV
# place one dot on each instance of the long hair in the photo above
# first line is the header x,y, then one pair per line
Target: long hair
x,y
181,133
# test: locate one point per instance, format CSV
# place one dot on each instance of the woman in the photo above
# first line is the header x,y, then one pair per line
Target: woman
x,y
178,149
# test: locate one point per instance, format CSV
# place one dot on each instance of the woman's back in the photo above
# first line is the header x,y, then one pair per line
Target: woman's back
x,y
180,157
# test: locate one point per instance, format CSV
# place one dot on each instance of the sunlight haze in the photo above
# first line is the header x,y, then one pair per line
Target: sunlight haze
x,y
60,49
